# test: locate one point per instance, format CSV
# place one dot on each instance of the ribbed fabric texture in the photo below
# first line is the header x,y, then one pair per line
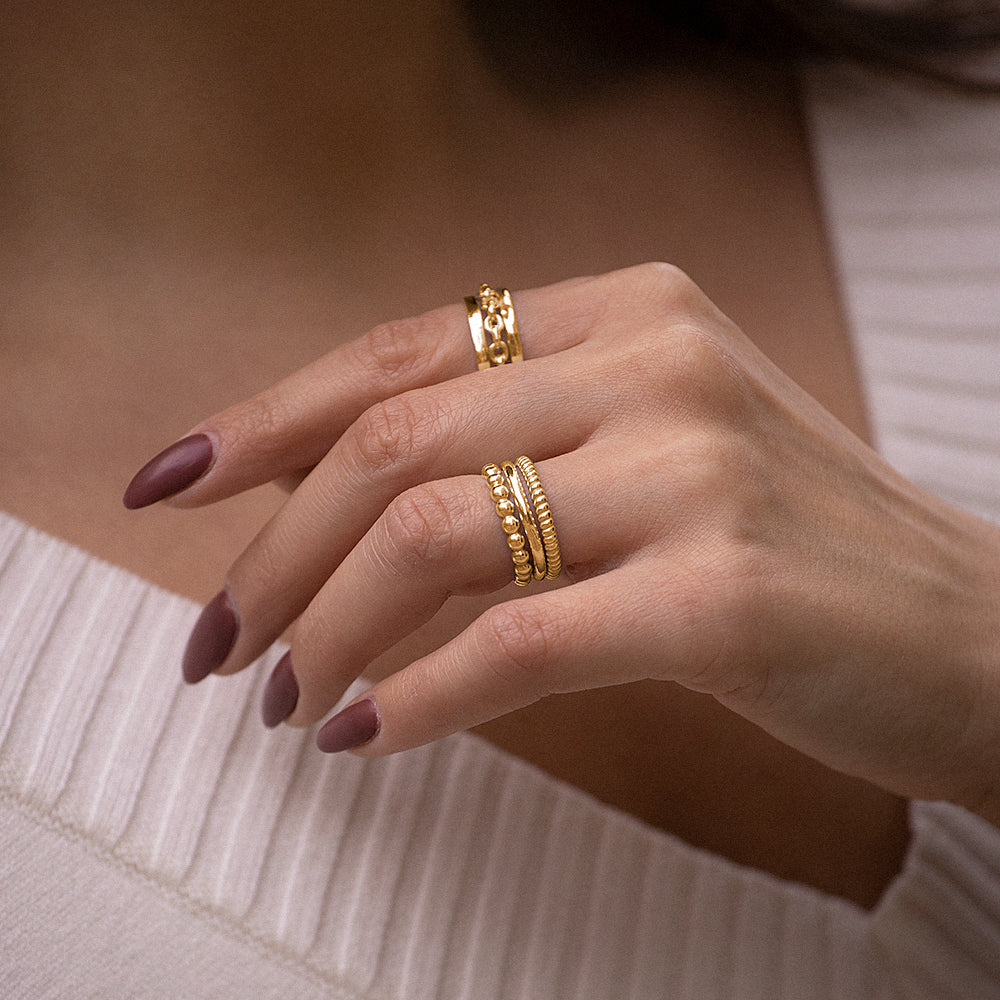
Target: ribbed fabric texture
x,y
911,185
938,928
156,835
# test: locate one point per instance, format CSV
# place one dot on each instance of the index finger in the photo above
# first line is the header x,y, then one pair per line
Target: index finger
x,y
294,423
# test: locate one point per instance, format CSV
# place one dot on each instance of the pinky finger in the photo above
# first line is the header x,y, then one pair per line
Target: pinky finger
x,y
513,655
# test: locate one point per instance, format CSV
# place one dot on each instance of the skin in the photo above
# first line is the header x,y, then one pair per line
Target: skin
x,y
198,201
778,565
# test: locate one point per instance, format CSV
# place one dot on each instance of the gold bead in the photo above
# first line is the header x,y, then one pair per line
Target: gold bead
x,y
508,509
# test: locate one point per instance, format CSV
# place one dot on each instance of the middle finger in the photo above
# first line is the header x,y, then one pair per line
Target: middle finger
x,y
290,426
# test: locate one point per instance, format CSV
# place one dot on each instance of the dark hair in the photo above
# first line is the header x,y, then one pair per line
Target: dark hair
x,y
929,38
566,40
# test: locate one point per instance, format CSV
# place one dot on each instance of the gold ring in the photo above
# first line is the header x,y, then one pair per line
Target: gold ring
x,y
526,519
546,526
529,526
511,524
493,325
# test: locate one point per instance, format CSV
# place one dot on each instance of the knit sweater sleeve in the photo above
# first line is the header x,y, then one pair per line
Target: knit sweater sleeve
x,y
937,930
910,180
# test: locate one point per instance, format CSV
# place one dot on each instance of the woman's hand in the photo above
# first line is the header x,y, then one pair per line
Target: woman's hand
x,y
718,528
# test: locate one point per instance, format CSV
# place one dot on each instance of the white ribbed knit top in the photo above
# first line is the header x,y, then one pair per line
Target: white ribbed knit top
x,y
156,842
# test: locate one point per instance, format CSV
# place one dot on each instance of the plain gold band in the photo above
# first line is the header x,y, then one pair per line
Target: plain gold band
x,y
529,528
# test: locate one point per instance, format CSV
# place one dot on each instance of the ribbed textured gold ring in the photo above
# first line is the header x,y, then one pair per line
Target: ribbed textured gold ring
x,y
553,557
494,329
526,519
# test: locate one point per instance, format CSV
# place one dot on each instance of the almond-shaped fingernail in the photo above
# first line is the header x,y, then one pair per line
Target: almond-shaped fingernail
x,y
173,470
357,724
281,693
211,639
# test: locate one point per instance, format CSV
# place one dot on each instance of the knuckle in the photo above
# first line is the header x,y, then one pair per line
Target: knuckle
x,y
698,365
699,375
265,420
396,432
660,274
519,643
705,356
397,347
390,347
711,471
667,285
421,527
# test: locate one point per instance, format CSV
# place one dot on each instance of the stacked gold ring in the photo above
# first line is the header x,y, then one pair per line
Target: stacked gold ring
x,y
510,522
543,514
493,325
526,519
529,526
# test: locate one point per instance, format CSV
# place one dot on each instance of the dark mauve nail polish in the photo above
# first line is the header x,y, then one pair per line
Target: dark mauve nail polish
x,y
211,638
357,724
281,693
174,469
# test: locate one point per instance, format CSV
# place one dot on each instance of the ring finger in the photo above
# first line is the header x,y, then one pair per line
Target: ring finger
x,y
435,540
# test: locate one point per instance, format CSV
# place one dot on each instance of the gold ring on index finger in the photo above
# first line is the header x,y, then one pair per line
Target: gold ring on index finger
x,y
493,325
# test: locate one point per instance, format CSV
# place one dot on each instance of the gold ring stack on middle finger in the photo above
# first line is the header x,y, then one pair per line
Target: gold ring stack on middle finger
x,y
494,329
526,520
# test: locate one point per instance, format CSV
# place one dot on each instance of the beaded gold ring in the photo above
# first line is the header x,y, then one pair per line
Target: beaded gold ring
x,y
509,521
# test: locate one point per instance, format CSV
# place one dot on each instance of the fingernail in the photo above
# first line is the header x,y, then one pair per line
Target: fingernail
x,y
173,470
211,638
357,724
281,693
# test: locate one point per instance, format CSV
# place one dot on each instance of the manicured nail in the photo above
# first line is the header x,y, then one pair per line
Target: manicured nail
x,y
281,693
173,470
211,638
357,724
